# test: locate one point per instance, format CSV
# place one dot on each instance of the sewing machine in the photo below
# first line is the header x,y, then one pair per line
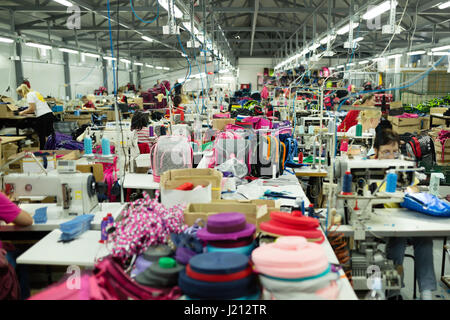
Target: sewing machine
x,y
75,193
127,147
360,205
364,173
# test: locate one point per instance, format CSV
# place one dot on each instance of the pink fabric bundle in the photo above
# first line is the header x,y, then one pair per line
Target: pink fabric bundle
x,y
408,115
442,137
265,93
146,222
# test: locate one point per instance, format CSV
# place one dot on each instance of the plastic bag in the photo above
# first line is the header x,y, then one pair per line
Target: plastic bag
x,y
237,168
426,203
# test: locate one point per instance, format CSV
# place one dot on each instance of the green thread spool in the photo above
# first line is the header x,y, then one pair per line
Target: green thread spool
x,y
359,130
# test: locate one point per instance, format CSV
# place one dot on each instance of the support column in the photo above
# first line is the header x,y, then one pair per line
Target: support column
x,y
17,63
105,74
67,75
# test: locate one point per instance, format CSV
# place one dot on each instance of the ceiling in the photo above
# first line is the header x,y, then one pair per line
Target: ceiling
x,y
252,28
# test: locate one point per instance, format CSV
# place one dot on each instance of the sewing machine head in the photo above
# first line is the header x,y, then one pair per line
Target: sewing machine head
x,y
366,172
75,193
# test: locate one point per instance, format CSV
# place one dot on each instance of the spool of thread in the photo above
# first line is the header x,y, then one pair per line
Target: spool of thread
x,y
88,145
300,157
105,147
301,129
303,207
331,127
347,184
311,129
76,112
391,182
359,130
311,210
151,131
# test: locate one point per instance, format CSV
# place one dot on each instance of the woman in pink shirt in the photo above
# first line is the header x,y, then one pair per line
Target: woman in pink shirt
x,y
11,213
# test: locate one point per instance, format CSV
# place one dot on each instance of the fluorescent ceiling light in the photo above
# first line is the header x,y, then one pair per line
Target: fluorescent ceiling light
x,y
6,40
444,5
350,64
438,53
138,64
125,60
378,10
340,67
394,56
159,68
325,40
378,59
149,66
64,3
166,68
165,5
187,25
358,39
364,62
92,55
415,53
346,28
147,38
68,50
110,58
37,45
441,48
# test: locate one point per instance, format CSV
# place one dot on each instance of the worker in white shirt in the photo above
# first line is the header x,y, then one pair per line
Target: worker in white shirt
x,y
44,115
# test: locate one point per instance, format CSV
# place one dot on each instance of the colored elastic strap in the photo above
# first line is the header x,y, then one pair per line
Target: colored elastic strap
x,y
302,279
167,263
226,229
218,277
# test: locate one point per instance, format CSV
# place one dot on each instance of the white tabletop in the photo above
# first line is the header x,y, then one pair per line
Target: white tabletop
x,y
48,251
308,170
140,181
115,208
403,223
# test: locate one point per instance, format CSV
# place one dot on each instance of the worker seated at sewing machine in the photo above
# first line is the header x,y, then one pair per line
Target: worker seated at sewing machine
x,y
387,147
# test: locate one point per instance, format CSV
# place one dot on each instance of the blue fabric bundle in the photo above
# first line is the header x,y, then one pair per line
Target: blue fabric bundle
x,y
426,203
40,216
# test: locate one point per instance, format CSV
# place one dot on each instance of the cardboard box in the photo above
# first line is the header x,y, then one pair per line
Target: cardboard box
x,y
424,123
396,105
28,164
220,124
442,158
438,110
7,110
405,125
7,150
195,175
81,119
96,169
254,214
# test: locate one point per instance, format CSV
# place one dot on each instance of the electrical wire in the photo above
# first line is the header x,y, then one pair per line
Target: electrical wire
x,y
144,21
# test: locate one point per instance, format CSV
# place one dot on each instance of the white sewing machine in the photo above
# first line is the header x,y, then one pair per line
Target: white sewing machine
x,y
75,193
365,173
365,253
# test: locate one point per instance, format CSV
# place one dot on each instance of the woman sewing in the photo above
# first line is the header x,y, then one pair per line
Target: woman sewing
x,y
369,120
351,119
44,115
386,146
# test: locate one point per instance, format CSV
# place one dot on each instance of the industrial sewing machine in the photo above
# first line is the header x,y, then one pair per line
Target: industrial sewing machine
x,y
360,206
75,193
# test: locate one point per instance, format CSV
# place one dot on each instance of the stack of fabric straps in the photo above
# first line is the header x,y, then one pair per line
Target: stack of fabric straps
x,y
228,232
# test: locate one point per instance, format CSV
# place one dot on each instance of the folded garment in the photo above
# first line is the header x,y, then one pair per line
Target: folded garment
x,y
40,215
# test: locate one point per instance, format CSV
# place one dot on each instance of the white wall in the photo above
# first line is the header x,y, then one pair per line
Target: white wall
x,y
250,67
